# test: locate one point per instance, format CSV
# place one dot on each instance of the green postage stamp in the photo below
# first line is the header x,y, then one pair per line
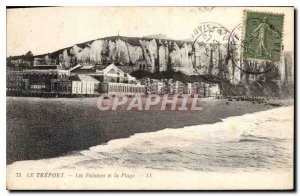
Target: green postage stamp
x,y
262,35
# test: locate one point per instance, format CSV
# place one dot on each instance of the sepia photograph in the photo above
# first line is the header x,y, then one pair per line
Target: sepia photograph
x,y
150,98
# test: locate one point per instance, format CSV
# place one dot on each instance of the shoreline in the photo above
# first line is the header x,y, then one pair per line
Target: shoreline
x,y
100,172
48,128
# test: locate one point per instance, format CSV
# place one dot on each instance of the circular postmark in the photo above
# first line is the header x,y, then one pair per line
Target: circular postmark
x,y
211,53
237,46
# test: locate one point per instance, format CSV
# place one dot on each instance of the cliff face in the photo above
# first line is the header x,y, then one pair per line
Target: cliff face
x,y
150,54
154,54
146,53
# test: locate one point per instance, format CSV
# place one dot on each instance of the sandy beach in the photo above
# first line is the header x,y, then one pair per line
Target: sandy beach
x,y
40,128
251,151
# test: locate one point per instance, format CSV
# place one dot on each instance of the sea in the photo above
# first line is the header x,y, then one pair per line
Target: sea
x,y
261,141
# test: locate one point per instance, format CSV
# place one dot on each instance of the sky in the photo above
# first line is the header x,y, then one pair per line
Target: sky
x,y
44,30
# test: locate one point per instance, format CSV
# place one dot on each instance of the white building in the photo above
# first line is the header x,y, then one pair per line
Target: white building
x,y
113,74
110,73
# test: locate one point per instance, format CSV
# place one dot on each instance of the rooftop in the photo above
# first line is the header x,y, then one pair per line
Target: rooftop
x,y
85,78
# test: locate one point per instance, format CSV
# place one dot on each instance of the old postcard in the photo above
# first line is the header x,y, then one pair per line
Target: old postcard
x,y
150,98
